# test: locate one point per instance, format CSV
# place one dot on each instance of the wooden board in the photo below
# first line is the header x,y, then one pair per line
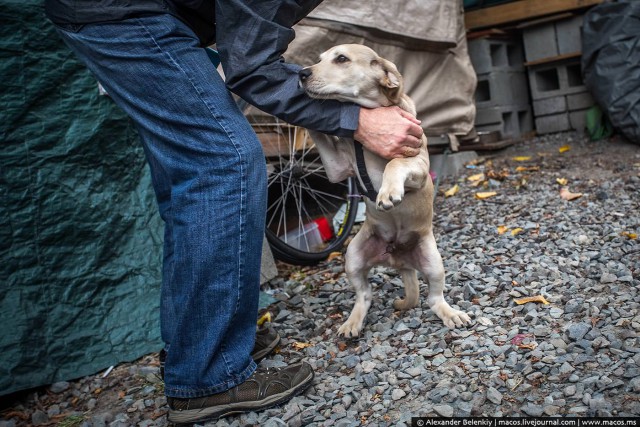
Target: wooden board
x,y
520,10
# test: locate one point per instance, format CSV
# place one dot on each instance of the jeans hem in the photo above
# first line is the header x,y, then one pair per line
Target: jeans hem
x,y
186,392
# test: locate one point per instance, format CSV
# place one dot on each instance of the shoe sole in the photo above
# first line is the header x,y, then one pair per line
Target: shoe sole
x,y
259,355
212,413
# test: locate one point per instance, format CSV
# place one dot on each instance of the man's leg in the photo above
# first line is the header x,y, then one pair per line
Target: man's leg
x,y
209,175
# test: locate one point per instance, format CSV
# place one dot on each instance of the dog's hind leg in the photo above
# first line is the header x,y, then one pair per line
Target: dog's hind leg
x,y
357,268
411,290
433,270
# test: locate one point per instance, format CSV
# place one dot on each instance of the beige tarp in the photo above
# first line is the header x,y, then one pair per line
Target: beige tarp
x,y
438,75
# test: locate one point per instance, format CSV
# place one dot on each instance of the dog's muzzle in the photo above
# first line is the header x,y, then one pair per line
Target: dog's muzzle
x,y
304,74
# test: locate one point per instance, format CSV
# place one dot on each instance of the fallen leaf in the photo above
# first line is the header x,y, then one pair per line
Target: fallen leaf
x,y
631,236
452,191
334,255
342,346
498,175
517,340
527,168
531,346
502,229
121,394
476,177
516,231
562,181
266,317
301,345
522,158
568,195
485,195
11,414
564,148
537,298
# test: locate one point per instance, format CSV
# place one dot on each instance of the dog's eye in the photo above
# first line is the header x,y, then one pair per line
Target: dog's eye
x,y
341,59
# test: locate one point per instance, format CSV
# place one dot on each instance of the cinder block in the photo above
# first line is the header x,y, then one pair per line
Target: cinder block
x,y
556,79
540,41
553,123
580,101
578,120
511,121
488,55
553,38
543,107
569,35
502,88
450,164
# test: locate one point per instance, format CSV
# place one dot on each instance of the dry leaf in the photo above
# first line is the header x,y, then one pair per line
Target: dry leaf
x,y
527,168
562,181
334,255
517,340
452,191
301,345
342,346
564,148
498,175
502,229
485,195
516,231
537,298
631,236
266,317
531,346
476,177
568,195
522,158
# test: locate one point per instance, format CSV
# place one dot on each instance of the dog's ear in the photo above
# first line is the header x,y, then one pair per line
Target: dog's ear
x,y
391,81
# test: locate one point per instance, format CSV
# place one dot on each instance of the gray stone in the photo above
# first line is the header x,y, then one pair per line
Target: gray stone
x,y
443,410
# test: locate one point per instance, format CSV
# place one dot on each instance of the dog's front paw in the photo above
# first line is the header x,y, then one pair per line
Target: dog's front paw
x,y
388,198
349,329
451,317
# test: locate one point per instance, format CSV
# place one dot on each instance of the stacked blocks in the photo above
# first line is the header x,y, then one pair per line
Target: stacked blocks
x,y
560,99
502,95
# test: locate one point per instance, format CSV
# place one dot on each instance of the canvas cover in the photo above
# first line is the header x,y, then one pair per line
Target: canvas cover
x,y
439,78
412,21
80,237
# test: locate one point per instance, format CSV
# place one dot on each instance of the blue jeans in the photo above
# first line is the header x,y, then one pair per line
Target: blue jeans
x,y
209,177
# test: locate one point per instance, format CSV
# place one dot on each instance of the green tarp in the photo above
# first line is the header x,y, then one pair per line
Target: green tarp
x,y
80,238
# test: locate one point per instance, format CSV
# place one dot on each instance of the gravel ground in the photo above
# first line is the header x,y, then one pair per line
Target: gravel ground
x,y
578,355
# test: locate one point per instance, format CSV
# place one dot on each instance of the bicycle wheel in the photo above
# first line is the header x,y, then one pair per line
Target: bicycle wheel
x,y
308,217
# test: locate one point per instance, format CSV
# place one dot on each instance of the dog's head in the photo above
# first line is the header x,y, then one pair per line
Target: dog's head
x,y
353,72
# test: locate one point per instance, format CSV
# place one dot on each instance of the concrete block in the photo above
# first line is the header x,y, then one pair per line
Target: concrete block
x,y
502,88
578,120
556,79
553,123
553,38
544,107
268,269
511,121
580,101
450,164
540,42
569,35
488,55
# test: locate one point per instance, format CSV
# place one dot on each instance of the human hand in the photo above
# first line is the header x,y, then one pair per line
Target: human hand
x,y
389,132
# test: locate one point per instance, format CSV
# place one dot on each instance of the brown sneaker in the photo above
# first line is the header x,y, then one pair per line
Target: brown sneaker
x,y
267,339
261,390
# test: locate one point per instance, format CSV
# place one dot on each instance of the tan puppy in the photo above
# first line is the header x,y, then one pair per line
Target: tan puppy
x,y
397,231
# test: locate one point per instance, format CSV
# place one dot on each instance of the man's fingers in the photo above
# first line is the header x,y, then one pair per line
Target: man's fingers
x,y
408,115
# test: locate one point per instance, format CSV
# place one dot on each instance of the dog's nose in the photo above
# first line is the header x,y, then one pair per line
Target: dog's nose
x,y
304,74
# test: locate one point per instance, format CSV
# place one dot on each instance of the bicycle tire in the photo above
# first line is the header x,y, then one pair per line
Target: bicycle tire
x,y
301,194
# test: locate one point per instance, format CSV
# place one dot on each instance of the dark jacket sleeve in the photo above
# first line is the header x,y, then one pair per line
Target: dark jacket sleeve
x,y
251,37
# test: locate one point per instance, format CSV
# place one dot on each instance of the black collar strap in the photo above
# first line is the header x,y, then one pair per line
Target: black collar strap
x,y
365,184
